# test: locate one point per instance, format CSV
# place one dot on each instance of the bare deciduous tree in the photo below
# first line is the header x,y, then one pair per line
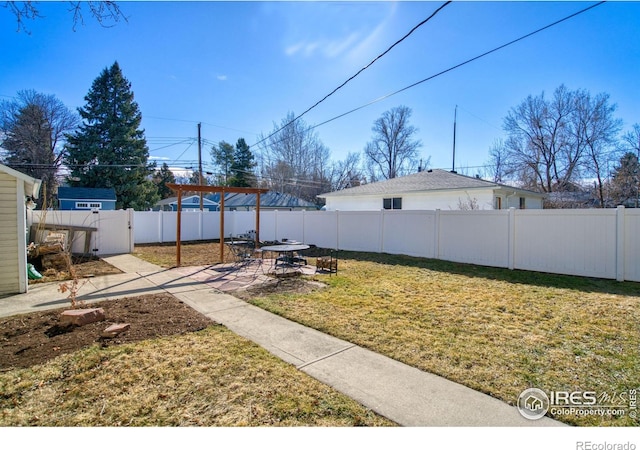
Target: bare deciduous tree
x,y
393,152
553,143
106,12
33,126
497,169
539,144
595,130
294,160
346,173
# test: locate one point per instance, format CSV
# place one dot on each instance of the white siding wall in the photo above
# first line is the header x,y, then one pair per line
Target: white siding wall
x,y
359,203
448,200
443,200
9,249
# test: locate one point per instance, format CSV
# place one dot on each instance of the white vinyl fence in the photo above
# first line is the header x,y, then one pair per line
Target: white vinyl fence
x,y
601,243
114,233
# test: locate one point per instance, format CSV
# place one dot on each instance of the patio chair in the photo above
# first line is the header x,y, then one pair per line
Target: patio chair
x,y
242,253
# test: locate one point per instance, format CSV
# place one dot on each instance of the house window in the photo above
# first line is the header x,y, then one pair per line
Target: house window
x,y
87,205
392,203
522,203
498,203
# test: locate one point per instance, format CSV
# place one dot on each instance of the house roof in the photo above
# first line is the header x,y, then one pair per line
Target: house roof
x,y
429,180
85,193
174,200
271,199
32,188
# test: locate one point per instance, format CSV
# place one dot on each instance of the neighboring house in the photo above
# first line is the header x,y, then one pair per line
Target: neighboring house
x,y
430,190
86,199
268,201
189,203
16,187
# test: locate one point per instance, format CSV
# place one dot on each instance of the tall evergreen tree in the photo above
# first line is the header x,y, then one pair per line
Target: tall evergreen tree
x,y
625,185
242,165
109,149
222,156
163,177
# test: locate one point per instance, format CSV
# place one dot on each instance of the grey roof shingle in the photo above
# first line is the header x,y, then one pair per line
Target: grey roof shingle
x,y
429,180
271,199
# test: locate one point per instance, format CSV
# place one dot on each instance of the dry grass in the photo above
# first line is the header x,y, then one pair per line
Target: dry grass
x,y
222,380
496,331
191,253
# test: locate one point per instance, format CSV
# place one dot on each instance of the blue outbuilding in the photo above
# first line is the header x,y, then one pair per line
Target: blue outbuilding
x,y
83,199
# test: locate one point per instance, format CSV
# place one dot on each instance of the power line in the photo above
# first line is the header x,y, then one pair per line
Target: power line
x,y
359,71
197,121
457,66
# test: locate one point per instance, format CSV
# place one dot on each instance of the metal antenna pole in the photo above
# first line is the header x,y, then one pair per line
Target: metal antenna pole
x,y
455,118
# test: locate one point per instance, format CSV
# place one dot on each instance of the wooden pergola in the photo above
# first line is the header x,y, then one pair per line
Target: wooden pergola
x,y
180,188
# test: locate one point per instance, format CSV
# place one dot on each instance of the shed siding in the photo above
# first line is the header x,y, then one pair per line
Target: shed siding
x,y
9,270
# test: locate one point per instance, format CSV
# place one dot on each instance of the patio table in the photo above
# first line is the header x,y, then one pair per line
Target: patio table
x,y
286,252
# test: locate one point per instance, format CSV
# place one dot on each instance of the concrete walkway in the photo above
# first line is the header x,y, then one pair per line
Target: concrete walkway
x,y
406,395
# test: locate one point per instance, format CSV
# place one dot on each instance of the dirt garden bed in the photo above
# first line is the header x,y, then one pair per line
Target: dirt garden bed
x,y
25,341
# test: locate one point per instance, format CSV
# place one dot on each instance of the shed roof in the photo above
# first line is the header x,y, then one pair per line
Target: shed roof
x,y
429,180
32,188
85,193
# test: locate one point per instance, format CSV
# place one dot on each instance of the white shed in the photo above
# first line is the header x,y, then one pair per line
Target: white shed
x,y
15,187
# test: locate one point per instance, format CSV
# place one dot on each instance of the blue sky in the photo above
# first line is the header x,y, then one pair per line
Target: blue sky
x,y
240,67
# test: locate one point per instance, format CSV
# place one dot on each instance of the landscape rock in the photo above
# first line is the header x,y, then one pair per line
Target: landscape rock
x,y
114,330
79,317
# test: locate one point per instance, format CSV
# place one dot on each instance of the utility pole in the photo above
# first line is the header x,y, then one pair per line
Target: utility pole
x,y
200,166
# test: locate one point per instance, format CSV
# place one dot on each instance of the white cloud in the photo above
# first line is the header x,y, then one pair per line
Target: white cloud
x,y
293,49
222,77
353,30
181,172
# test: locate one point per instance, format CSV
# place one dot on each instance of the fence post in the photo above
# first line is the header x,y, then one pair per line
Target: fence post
x,y
131,225
303,234
275,224
381,231
620,247
337,230
160,227
511,245
436,235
